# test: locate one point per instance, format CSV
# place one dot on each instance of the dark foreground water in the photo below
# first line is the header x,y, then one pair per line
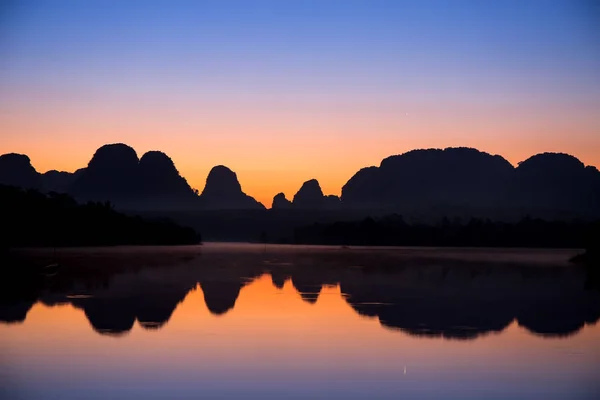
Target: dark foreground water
x,y
245,321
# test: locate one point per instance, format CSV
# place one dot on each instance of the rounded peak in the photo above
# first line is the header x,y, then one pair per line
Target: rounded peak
x,y
116,147
551,160
222,173
433,154
155,155
221,169
221,180
15,158
16,170
114,156
156,159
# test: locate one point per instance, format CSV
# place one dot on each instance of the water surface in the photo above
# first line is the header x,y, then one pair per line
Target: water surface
x,y
245,321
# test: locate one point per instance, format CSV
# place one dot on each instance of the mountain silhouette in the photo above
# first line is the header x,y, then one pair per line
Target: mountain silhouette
x,y
421,179
223,191
59,181
281,202
309,197
111,175
556,181
161,183
16,170
429,183
476,182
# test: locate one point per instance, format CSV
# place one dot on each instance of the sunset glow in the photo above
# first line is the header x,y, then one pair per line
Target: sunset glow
x,y
283,92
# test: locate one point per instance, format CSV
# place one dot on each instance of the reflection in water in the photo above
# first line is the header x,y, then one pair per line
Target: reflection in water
x,y
294,323
464,303
437,298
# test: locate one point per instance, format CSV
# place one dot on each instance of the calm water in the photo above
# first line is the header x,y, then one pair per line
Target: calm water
x,y
242,321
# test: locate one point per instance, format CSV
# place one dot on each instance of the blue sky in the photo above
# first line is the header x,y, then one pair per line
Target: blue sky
x,y
381,77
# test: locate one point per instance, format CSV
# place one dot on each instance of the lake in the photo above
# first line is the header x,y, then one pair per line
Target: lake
x,y
229,321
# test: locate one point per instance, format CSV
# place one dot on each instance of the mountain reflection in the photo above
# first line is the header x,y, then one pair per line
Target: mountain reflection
x,y
456,299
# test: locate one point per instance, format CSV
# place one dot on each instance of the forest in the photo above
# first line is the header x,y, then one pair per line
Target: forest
x,y
31,218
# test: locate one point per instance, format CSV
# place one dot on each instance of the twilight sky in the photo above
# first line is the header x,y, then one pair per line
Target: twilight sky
x,y
285,91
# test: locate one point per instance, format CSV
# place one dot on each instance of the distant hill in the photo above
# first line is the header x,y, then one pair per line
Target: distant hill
x,y
556,181
59,181
116,174
223,191
16,170
422,184
467,181
309,197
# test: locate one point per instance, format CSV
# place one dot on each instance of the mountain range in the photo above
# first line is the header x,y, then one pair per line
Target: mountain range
x,y
446,181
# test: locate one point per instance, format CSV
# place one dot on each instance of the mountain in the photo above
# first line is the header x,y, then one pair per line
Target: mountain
x,y
59,181
116,174
556,181
427,179
111,175
161,183
223,191
281,202
309,197
429,183
471,182
16,170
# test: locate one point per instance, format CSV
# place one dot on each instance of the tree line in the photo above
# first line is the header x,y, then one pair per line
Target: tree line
x,y
393,230
31,218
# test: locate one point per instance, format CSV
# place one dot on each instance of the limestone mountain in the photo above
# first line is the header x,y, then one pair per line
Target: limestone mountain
x,y
59,181
476,183
223,191
16,170
281,202
311,197
453,177
116,174
556,181
111,175
161,183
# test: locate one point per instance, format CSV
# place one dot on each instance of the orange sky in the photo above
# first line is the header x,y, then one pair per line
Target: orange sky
x,y
276,150
282,92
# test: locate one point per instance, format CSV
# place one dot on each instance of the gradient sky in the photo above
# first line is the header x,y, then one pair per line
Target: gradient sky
x,y
285,91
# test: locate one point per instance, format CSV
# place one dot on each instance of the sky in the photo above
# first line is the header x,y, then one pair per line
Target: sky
x,y
286,91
